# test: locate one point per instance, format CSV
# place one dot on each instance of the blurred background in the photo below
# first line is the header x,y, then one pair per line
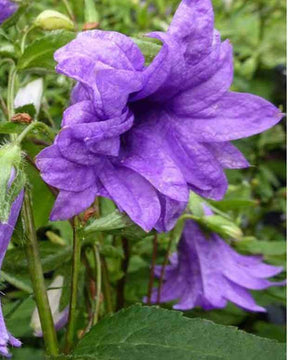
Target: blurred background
x,y
257,196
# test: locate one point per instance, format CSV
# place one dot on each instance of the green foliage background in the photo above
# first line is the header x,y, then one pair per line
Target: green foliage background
x,y
256,199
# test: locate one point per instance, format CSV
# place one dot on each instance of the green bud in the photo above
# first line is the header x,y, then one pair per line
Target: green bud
x,y
10,160
221,225
53,20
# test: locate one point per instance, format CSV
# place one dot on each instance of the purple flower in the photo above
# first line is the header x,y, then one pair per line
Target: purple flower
x,y
6,231
207,272
7,9
145,136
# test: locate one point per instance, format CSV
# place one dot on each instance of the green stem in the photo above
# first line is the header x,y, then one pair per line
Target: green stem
x,y
36,274
11,91
106,287
98,277
71,328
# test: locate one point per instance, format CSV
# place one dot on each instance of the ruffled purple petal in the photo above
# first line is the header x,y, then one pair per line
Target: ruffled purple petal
x,y
69,204
150,158
234,116
133,194
75,177
228,155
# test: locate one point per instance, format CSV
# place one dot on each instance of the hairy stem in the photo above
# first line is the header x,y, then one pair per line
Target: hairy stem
x,y
71,327
36,274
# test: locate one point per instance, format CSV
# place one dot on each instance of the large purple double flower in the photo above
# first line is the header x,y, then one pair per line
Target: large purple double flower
x,y
144,136
7,9
207,272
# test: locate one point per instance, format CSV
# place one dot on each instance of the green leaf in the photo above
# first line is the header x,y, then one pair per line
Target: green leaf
x,y
148,333
116,223
233,204
11,128
148,48
52,257
28,109
40,53
17,281
266,248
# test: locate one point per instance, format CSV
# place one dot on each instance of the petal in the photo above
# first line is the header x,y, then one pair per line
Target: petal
x,y
147,155
193,23
199,97
127,46
6,230
200,168
69,204
89,48
61,173
109,65
234,116
164,75
79,113
188,40
108,147
132,193
170,212
241,297
75,151
228,155
80,93
114,89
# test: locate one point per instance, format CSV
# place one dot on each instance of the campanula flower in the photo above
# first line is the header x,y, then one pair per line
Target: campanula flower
x,y
207,272
144,136
7,9
6,231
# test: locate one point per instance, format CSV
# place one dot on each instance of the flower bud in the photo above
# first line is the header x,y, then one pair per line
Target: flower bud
x,y
53,20
10,158
222,226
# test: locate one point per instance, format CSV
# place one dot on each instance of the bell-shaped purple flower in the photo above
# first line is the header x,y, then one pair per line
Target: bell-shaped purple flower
x,y
145,136
6,231
207,272
7,9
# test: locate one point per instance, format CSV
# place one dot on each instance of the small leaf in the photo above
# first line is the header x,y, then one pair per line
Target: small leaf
x,y
233,204
116,223
266,248
148,333
40,53
11,128
148,48
17,281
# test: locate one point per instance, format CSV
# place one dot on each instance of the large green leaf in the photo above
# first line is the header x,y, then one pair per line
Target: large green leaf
x,y
40,53
150,333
